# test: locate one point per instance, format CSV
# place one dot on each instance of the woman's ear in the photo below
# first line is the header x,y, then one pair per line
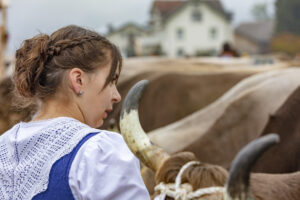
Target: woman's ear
x,y
76,77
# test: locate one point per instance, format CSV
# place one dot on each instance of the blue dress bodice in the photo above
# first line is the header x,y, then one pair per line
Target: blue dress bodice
x,y
58,186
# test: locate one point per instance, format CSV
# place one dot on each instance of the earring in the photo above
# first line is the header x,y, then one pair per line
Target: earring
x,y
80,93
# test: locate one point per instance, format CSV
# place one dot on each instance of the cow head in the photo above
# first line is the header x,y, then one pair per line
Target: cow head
x,y
181,176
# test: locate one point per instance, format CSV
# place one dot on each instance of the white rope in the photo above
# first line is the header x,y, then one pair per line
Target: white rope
x,y
183,168
184,191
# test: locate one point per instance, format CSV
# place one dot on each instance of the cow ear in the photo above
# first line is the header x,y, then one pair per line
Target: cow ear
x,y
237,185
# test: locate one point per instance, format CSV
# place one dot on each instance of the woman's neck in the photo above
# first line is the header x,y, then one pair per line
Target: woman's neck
x,y
53,108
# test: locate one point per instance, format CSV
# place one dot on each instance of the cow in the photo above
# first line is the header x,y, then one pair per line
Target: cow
x,y
186,80
252,100
285,122
205,181
236,118
243,109
173,89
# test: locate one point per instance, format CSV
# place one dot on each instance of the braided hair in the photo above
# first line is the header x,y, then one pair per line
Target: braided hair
x,y
42,60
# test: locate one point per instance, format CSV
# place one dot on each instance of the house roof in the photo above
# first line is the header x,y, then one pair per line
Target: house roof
x,y
169,7
258,32
129,25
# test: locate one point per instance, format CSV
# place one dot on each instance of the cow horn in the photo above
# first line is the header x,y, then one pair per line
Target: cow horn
x,y
237,186
133,133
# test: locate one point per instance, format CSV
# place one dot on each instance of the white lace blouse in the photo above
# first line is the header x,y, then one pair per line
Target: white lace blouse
x,y
103,168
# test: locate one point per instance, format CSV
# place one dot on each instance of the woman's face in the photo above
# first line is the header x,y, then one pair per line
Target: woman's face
x,y
97,100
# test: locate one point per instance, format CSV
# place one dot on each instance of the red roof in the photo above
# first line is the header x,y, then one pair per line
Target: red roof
x,y
168,7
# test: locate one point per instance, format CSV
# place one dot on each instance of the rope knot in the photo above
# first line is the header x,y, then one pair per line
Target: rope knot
x,y
184,191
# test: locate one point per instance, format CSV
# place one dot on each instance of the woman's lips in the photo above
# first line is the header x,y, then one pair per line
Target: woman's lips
x,y
106,112
105,115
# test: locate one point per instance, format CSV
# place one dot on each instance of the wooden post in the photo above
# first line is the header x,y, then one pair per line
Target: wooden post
x,y
3,36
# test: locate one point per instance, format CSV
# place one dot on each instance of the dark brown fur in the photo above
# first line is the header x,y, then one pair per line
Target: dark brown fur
x,y
284,157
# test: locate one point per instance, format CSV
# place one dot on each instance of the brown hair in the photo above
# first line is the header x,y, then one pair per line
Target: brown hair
x,y
42,60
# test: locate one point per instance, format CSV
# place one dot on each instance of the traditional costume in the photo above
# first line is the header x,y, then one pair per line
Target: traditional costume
x,y
62,158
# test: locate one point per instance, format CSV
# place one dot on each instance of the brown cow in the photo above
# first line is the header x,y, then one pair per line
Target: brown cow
x,y
285,122
191,91
243,109
204,175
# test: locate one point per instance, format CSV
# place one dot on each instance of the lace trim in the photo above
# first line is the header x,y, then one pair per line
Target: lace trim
x,y
20,180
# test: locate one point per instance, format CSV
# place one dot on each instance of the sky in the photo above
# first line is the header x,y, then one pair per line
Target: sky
x,y
27,18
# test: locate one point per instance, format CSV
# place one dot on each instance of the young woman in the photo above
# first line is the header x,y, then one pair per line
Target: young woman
x,y
60,154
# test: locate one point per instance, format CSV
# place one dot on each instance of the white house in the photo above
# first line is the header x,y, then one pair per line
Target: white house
x,y
181,28
128,39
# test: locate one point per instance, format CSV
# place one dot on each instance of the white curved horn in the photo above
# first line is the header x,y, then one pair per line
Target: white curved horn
x,y
133,133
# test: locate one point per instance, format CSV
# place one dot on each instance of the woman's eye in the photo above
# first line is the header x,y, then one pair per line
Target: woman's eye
x,y
115,80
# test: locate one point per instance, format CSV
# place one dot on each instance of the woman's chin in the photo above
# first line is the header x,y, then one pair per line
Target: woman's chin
x,y
99,124
96,123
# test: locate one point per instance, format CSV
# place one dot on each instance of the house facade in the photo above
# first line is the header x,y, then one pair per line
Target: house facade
x,y
183,28
254,37
128,39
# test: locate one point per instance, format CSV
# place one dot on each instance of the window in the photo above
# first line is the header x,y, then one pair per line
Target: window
x,y
180,33
213,32
196,16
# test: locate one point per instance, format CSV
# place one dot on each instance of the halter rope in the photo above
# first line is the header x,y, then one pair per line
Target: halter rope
x,y
184,191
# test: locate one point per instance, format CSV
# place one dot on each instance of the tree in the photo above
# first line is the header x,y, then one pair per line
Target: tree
x,y
288,16
260,12
287,43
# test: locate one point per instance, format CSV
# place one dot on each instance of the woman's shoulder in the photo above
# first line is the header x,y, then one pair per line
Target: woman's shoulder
x,y
106,169
108,143
109,136
105,148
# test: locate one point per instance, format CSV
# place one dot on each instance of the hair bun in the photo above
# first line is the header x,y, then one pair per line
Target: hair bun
x,y
30,60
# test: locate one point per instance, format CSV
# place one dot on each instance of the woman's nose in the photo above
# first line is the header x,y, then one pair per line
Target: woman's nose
x,y
116,97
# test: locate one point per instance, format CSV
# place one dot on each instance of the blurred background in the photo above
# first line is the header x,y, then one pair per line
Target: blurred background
x,y
172,28
164,27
